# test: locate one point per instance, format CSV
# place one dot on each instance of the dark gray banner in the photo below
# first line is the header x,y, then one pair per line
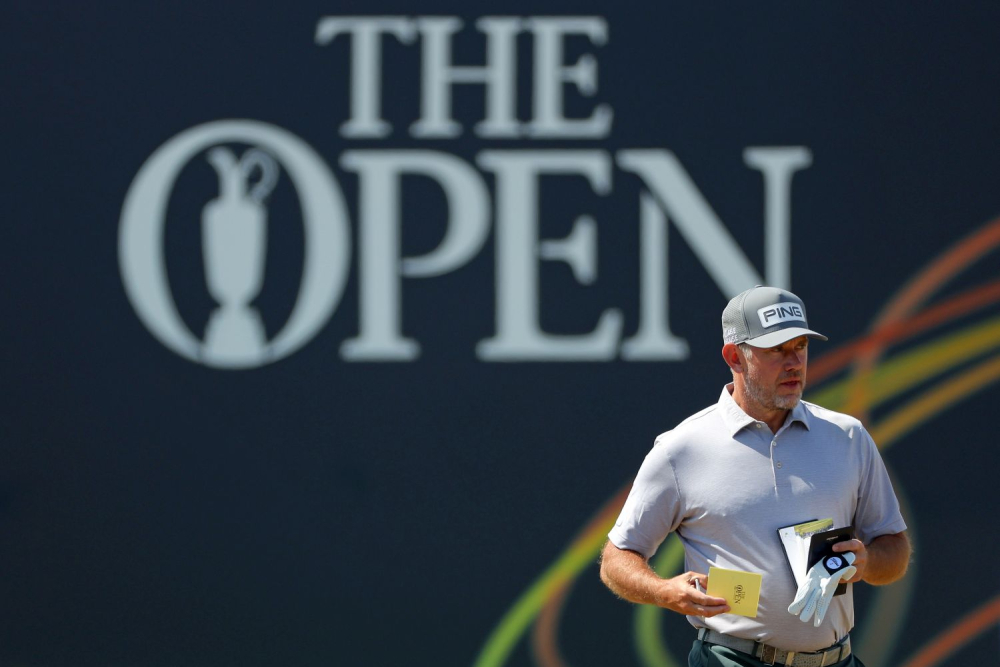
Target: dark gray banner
x,y
337,332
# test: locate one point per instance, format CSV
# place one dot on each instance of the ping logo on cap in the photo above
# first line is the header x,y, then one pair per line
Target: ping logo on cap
x,y
780,312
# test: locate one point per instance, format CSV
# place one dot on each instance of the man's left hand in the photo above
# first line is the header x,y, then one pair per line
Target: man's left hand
x,y
857,547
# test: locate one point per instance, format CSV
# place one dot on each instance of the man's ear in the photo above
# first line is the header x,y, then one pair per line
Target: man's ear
x,y
733,357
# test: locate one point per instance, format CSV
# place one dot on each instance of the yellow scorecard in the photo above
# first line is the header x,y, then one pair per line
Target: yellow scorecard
x,y
740,589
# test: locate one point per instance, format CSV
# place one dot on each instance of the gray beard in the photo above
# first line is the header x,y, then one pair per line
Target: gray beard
x,y
767,400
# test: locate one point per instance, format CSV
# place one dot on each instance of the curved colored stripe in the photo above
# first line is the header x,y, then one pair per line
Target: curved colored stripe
x,y
963,253
545,636
967,628
877,636
579,555
935,400
890,325
886,432
648,637
890,429
955,307
906,370
915,293
904,303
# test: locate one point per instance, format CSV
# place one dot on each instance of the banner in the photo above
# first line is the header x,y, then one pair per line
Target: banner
x,y
338,333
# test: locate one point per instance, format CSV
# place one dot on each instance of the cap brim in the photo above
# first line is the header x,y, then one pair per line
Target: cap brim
x,y
783,336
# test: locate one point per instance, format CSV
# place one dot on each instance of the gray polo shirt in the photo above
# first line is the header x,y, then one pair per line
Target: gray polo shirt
x,y
725,484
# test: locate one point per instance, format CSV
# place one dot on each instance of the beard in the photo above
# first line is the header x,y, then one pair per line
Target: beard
x,y
768,397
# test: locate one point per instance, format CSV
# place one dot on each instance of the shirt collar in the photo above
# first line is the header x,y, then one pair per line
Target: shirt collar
x,y
800,414
736,420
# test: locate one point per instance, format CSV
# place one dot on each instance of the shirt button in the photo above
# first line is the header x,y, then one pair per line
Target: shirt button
x,y
778,464
774,443
758,424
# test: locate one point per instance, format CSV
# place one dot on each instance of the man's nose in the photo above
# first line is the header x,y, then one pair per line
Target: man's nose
x,y
794,359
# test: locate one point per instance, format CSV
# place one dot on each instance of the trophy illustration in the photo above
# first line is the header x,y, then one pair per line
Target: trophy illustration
x,y
234,247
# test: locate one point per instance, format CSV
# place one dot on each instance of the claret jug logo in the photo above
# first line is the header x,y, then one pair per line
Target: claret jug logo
x,y
487,189
234,242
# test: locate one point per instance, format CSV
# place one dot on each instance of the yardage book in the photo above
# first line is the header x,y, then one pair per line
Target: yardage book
x,y
806,543
740,589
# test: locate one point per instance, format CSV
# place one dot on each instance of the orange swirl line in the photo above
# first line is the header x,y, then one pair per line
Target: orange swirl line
x,y
545,634
960,633
914,294
544,639
963,253
894,332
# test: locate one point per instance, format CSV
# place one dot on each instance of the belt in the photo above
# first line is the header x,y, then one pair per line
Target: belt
x,y
770,655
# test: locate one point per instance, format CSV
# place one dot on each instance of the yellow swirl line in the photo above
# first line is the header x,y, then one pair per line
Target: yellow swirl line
x,y
935,400
907,369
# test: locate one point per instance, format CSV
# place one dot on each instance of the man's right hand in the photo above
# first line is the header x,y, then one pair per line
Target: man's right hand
x,y
628,575
684,594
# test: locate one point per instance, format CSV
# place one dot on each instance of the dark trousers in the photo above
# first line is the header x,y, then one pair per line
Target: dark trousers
x,y
713,655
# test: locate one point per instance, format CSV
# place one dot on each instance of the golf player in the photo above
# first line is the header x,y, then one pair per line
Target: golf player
x,y
727,478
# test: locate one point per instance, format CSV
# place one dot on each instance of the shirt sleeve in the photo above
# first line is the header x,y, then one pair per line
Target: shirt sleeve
x,y
653,509
877,511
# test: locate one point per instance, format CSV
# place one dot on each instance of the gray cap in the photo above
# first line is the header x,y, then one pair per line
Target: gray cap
x,y
765,317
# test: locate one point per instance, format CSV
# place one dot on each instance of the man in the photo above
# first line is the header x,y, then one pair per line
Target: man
x,y
727,478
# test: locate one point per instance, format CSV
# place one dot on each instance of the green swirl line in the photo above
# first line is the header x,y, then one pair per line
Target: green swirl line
x,y
578,557
907,369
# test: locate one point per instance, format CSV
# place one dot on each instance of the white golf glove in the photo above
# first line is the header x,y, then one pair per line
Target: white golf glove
x,y
821,581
